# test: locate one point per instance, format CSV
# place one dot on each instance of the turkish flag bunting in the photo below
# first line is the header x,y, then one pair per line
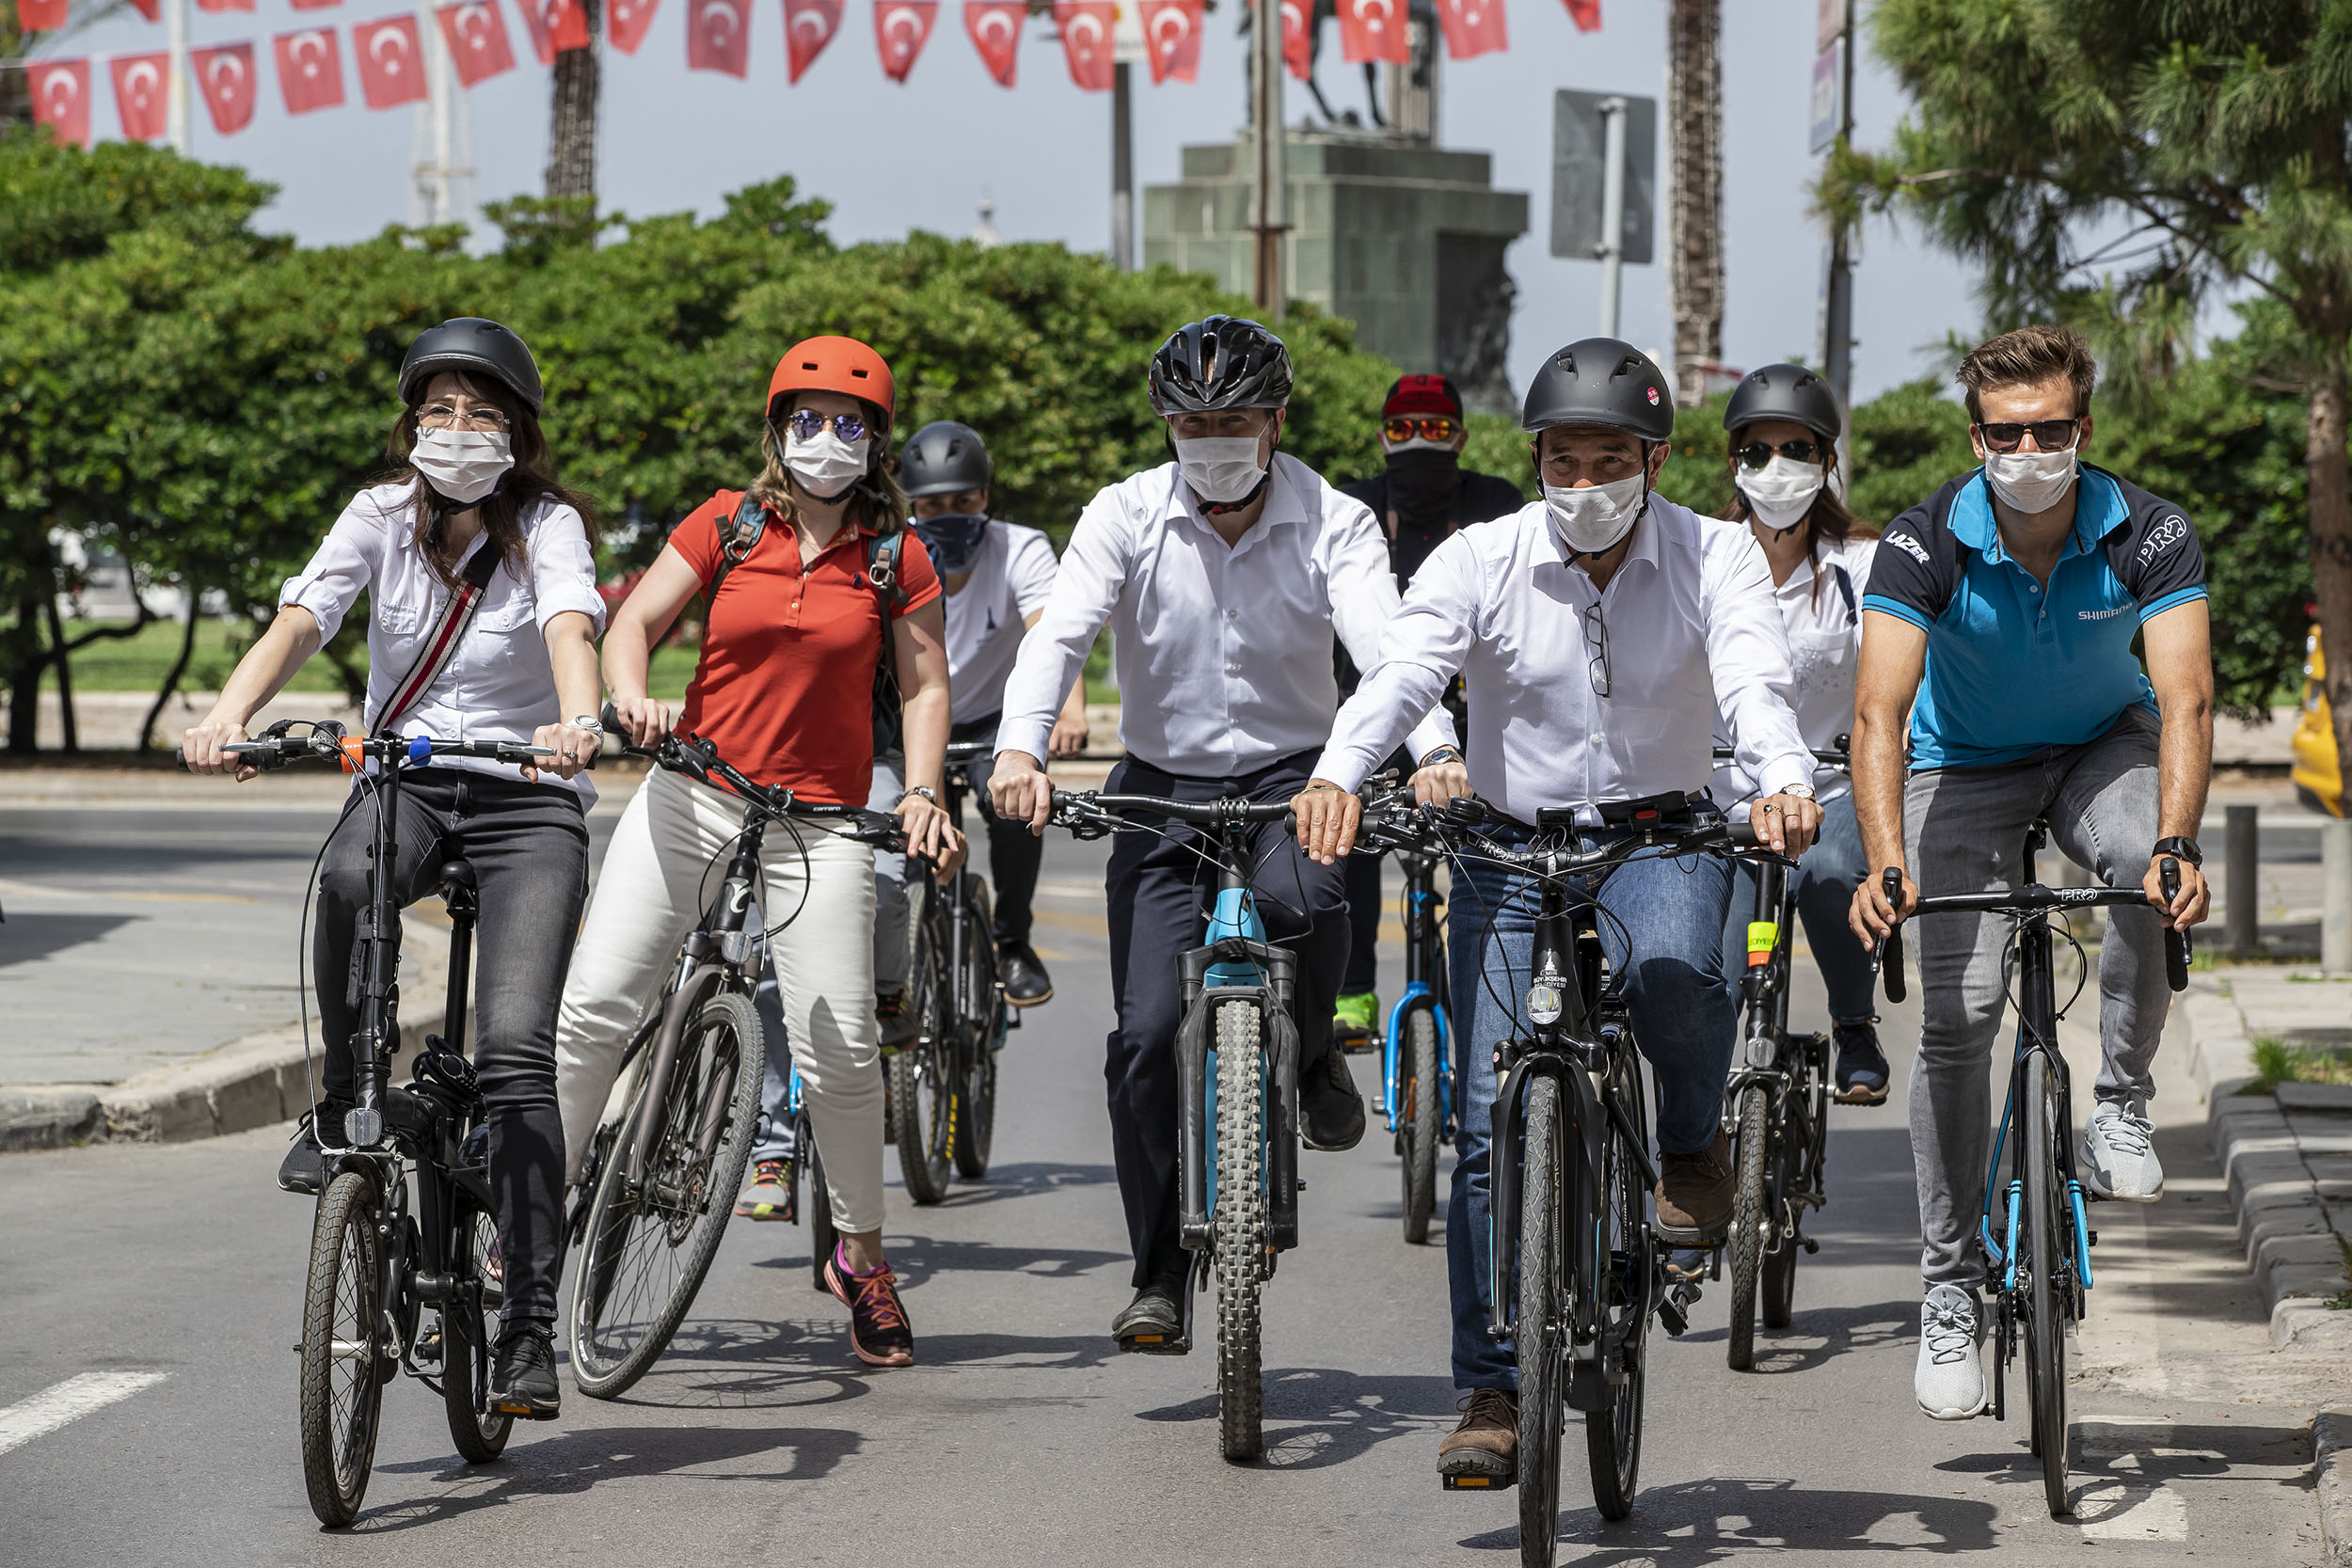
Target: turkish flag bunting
x,y
627,22
902,28
1585,14
1171,37
60,91
224,5
718,36
1298,38
391,61
1472,28
476,36
314,5
1085,40
42,16
995,29
225,77
1373,30
152,9
555,26
808,26
310,70
140,96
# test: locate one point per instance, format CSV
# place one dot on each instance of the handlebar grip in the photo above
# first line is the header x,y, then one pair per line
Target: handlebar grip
x,y
2176,951
1466,811
610,718
1890,953
1744,835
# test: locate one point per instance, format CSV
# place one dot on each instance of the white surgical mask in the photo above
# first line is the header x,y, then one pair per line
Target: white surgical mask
x,y
2031,481
1782,491
825,464
1591,520
463,464
1221,469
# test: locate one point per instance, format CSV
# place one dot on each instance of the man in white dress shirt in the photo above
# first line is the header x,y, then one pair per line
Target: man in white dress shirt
x,y
1597,631
1223,574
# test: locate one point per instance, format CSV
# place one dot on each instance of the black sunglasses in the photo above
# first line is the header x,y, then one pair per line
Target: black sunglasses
x,y
2049,435
1756,454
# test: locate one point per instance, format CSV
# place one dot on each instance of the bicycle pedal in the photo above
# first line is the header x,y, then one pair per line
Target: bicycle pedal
x,y
1156,1344
1671,1319
1475,1482
1811,1246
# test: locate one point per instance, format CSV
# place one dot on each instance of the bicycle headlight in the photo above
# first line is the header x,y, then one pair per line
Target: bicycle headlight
x,y
1544,1003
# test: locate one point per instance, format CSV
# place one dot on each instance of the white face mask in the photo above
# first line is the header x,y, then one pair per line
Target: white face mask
x,y
2031,480
825,464
463,464
1591,520
1221,469
1782,491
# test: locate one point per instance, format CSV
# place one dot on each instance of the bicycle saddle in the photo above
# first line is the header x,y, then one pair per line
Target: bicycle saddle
x,y
454,874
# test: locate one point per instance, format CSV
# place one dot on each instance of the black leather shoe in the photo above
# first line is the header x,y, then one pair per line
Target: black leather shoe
x,y
304,1168
1153,1323
1862,1069
1330,1112
522,1373
1027,984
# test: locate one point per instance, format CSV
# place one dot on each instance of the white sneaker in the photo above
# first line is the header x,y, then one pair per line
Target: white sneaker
x,y
2118,1154
1949,1380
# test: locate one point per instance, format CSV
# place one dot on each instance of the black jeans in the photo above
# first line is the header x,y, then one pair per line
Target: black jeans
x,y
1363,908
1014,853
1160,892
528,843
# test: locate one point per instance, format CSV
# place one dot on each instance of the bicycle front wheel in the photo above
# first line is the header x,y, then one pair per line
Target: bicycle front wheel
x,y
984,1031
1613,1435
470,1326
1242,1247
1747,1226
922,1080
1539,1323
2042,1274
1419,1125
345,1358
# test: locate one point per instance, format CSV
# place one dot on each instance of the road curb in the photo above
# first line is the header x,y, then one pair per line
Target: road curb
x,y
2331,1472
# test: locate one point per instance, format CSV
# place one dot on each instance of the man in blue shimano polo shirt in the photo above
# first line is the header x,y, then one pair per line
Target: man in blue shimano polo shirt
x,y
2006,605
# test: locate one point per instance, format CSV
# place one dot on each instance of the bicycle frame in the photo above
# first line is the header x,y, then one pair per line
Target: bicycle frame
x,y
1425,987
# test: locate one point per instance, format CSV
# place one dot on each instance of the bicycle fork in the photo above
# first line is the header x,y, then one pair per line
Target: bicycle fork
x,y
1281,1034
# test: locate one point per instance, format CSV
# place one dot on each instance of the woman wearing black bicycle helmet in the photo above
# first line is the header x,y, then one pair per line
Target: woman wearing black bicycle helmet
x,y
480,582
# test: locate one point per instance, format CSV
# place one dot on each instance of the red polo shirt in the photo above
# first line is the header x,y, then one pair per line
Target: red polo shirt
x,y
786,682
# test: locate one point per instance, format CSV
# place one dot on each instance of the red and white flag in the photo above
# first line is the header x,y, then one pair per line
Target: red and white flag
x,y
152,9
1298,38
314,5
476,35
1472,28
391,61
627,22
555,26
995,29
141,97
1085,40
1171,37
1585,14
310,70
225,76
224,5
1373,30
60,91
718,36
902,28
808,26
42,16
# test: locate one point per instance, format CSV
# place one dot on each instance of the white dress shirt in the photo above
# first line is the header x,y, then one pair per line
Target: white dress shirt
x,y
1690,626
1011,575
1223,651
499,684
1825,626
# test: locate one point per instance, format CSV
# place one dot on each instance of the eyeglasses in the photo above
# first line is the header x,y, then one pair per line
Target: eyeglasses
x,y
1756,454
2048,434
1433,428
443,416
806,422
1596,639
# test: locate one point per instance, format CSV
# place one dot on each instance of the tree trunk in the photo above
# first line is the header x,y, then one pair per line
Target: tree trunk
x,y
60,656
2328,484
179,667
572,126
1694,121
26,664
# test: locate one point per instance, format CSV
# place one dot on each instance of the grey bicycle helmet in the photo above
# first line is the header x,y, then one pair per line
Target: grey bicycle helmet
x,y
1603,382
944,458
1220,362
471,343
1789,392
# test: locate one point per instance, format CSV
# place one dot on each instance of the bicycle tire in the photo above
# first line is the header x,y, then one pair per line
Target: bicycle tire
x,y
343,1389
468,1334
976,1084
1419,1122
1613,1437
2039,1273
1747,1224
1240,1226
1539,1323
1805,1115
643,1261
922,1088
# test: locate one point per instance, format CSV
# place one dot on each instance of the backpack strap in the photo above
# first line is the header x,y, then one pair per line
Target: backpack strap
x,y
881,574
440,643
736,539
1845,591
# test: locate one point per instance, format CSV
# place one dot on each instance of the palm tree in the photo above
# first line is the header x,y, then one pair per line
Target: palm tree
x,y
572,120
1694,130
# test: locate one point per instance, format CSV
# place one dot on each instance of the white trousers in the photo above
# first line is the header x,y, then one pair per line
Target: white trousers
x,y
666,862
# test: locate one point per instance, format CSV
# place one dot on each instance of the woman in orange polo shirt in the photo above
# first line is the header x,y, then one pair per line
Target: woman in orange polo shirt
x,y
784,689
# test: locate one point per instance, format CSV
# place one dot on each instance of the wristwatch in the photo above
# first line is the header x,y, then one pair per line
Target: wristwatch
x,y
924,790
2185,849
1442,755
1799,792
591,723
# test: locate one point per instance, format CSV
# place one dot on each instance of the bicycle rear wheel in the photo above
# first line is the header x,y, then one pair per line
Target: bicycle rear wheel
x,y
1419,1124
470,1327
1539,1323
976,1081
1748,1220
1797,1154
649,1244
2041,1274
1240,1226
345,1359
822,1235
1613,1436
922,1078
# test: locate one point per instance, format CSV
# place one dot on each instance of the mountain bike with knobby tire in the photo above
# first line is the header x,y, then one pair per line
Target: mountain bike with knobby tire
x,y
2035,1233
1237,1094
1417,1060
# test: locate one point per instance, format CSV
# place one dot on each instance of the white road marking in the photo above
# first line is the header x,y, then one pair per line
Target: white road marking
x,y
68,1402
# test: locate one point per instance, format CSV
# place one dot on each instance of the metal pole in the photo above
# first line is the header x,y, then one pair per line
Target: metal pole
x,y
444,85
1265,130
2335,898
1122,169
1611,246
2241,889
176,93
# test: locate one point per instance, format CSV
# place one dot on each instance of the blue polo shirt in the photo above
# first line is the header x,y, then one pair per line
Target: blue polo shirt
x,y
2014,668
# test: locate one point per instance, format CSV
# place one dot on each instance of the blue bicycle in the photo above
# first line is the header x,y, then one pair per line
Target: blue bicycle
x,y
1417,1059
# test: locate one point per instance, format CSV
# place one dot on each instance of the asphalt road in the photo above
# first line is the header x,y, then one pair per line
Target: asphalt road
x,y
1022,1438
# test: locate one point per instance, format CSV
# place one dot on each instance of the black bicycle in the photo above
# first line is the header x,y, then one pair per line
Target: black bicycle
x,y
1417,1060
660,1180
2036,1237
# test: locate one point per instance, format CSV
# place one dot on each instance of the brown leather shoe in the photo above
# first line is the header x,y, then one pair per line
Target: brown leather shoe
x,y
1694,1193
1482,1451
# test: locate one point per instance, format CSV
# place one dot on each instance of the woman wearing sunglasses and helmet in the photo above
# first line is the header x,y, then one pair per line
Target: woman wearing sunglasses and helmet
x,y
1783,424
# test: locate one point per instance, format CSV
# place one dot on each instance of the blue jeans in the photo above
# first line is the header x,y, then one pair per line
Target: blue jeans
x,y
1671,913
1826,875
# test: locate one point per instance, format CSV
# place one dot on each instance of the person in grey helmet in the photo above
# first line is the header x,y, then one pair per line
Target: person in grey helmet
x,y
1782,423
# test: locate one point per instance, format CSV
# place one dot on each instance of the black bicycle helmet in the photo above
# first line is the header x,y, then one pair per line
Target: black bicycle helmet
x,y
471,343
1220,362
1789,392
1603,382
944,458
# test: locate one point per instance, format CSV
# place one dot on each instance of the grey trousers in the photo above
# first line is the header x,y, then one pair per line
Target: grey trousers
x,y
1965,830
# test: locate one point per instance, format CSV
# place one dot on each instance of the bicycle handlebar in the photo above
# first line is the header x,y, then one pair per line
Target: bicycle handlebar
x,y
1405,823
1071,809
969,750
700,760
2033,898
1835,756
326,740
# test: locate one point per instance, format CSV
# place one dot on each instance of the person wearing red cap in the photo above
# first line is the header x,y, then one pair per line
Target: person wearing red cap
x,y
1420,496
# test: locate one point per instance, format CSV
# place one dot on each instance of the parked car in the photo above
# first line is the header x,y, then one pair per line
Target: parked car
x,y
2317,783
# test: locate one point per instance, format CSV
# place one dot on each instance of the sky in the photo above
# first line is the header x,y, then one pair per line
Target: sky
x,y
892,157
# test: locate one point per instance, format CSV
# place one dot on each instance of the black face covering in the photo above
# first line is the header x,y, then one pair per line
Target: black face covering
x,y
1423,484
952,539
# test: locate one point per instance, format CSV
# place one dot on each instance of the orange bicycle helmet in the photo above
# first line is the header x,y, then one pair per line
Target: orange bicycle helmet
x,y
834,364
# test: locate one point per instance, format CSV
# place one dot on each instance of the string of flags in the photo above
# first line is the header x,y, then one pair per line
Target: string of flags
x,y
389,54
